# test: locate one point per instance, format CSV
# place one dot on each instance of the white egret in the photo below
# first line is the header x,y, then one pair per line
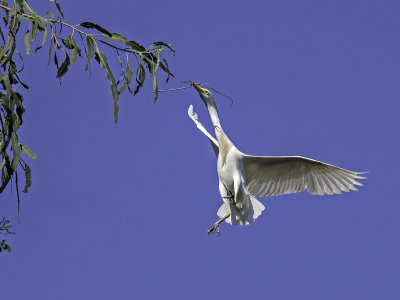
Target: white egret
x,y
243,177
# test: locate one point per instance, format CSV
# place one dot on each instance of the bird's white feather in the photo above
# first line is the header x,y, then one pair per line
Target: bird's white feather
x,y
271,176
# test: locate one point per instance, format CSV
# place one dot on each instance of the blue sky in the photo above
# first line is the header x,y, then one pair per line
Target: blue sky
x,y
121,211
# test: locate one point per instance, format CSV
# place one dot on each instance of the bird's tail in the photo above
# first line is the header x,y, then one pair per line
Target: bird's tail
x,y
243,212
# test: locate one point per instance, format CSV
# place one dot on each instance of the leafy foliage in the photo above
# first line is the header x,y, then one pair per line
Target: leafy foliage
x,y
5,229
69,48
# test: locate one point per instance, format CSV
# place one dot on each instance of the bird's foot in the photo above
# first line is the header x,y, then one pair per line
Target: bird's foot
x,y
214,228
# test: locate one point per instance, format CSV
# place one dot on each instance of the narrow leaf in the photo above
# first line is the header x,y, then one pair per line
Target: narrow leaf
x,y
90,25
167,69
67,43
128,79
7,46
51,46
35,26
158,60
163,44
43,21
28,179
115,37
27,8
17,5
74,54
90,45
2,36
140,77
114,90
36,49
154,79
56,59
135,46
44,36
63,69
16,121
27,43
27,151
16,151
151,68
14,24
58,7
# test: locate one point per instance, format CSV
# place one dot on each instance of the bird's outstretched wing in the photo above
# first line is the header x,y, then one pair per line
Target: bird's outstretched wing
x,y
213,141
271,176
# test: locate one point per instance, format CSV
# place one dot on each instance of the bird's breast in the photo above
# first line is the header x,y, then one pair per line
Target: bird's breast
x,y
228,167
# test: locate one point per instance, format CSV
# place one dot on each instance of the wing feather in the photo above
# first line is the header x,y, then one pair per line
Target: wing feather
x,y
277,175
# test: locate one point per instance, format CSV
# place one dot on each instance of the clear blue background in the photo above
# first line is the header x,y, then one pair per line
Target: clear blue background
x,y
121,211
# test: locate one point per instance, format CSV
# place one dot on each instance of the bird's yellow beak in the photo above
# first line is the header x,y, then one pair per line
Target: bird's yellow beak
x,y
199,89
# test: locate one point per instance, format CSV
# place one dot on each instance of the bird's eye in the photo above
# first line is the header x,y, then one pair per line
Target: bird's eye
x,y
206,92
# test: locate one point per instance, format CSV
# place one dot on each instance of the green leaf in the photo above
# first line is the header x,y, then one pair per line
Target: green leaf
x,y
44,36
35,26
2,36
16,149
74,50
114,92
153,58
27,43
90,45
163,44
152,70
90,25
135,46
16,121
56,59
52,15
51,46
6,47
140,77
63,69
67,43
158,60
28,179
58,7
14,24
110,76
154,79
128,79
17,5
115,37
167,69
37,48
27,8
3,163
43,21
27,151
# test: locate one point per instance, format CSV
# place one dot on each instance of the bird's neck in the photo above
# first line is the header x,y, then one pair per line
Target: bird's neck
x,y
212,109
222,139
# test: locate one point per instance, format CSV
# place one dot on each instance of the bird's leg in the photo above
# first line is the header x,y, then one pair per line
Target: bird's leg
x,y
230,197
215,227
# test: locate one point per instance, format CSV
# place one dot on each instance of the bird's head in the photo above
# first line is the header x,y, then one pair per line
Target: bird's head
x,y
205,95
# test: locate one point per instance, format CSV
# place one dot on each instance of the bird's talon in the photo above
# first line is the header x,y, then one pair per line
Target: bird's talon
x,y
214,228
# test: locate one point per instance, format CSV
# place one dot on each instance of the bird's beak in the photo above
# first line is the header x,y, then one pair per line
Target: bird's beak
x,y
199,89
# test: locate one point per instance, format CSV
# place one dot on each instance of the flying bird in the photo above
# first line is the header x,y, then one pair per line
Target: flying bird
x,y
243,177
